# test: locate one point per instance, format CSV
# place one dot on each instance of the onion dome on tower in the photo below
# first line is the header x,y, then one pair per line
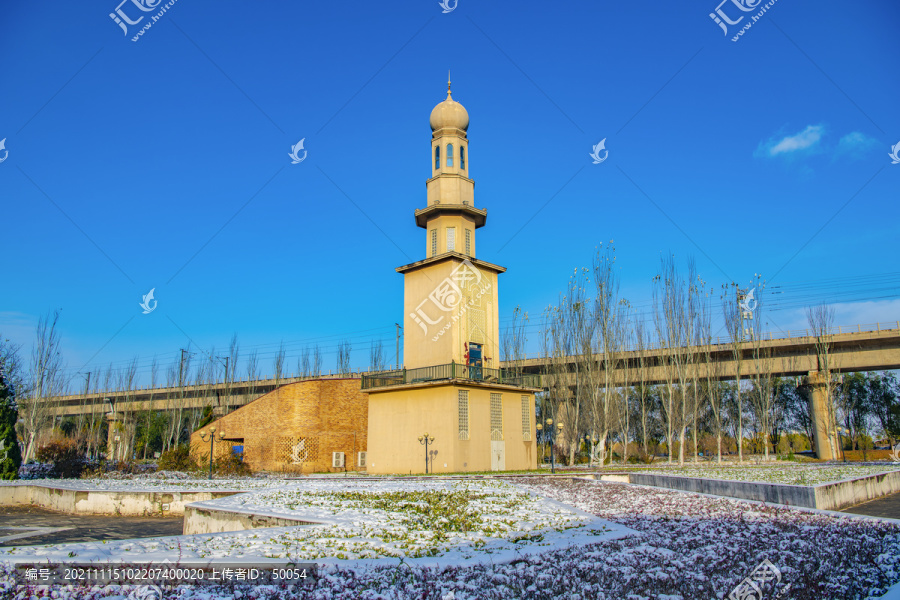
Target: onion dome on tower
x,y
449,114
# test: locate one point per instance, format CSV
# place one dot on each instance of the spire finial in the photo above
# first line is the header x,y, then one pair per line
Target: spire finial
x,y
448,83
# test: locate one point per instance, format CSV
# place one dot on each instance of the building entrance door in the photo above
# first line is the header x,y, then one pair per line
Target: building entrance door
x,y
498,456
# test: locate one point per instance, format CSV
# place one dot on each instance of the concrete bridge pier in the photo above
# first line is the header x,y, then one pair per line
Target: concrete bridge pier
x,y
119,435
826,442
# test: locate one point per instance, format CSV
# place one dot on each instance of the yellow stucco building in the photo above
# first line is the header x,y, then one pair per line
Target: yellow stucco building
x,y
477,417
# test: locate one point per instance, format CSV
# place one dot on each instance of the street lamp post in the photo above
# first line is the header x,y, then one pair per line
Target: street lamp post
x,y
550,435
552,453
424,439
540,428
212,438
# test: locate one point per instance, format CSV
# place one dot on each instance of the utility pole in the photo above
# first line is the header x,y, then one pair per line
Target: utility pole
x,y
84,400
398,343
181,376
181,368
87,388
745,314
227,387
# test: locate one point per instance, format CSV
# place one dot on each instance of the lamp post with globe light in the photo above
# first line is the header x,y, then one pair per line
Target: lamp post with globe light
x,y
212,438
550,435
424,439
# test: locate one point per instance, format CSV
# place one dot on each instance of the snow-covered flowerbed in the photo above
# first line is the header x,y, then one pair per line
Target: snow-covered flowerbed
x,y
703,547
787,474
360,520
691,547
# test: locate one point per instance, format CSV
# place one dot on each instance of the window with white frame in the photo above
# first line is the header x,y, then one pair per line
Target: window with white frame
x,y
451,238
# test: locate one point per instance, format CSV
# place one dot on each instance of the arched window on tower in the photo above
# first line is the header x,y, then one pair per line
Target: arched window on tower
x,y
462,158
437,158
449,155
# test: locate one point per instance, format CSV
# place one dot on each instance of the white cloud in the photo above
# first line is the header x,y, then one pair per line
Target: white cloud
x,y
804,140
855,144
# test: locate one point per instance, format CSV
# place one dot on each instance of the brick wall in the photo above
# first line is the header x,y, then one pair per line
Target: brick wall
x,y
295,428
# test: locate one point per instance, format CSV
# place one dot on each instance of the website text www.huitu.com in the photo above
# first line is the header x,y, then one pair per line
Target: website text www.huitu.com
x,y
153,19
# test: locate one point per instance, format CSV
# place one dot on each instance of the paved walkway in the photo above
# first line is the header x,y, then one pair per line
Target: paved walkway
x,y
886,506
30,526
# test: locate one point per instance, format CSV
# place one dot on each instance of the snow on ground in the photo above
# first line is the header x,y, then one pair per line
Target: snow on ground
x,y
777,473
154,482
691,547
414,519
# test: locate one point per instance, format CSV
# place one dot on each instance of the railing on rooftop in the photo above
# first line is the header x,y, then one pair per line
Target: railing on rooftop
x,y
446,373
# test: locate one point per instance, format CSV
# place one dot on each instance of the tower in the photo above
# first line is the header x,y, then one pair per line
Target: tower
x,y
450,303
451,386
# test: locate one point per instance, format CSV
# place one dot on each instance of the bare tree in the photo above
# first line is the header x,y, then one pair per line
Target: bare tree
x,y
171,403
821,322
343,357
204,374
252,374
208,379
376,356
762,399
278,363
304,366
182,375
680,310
12,366
625,332
557,348
46,381
87,419
107,403
127,384
734,323
581,334
317,362
513,341
610,333
692,338
154,374
234,354
81,419
712,369
668,311
642,343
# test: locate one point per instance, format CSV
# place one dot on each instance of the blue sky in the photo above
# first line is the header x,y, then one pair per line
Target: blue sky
x,y
163,163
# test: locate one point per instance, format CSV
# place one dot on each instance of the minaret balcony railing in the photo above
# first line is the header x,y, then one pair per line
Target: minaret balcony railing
x,y
449,372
